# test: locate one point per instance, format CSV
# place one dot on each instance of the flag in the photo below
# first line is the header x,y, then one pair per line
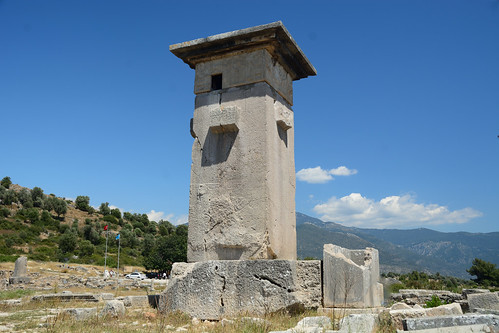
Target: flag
x,y
118,237
105,227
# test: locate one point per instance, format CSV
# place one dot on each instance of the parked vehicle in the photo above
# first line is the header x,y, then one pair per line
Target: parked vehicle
x,y
153,275
135,275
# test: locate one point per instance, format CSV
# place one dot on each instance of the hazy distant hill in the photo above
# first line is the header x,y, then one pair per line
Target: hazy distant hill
x,y
401,250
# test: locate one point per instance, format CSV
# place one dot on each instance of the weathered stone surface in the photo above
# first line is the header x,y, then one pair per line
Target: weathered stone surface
x,y
272,37
113,308
489,301
359,323
456,329
136,300
242,182
451,321
20,274
241,203
66,297
21,267
351,277
467,292
80,313
421,296
444,310
218,288
400,306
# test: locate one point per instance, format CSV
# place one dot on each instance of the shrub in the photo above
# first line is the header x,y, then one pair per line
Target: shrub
x,y
435,301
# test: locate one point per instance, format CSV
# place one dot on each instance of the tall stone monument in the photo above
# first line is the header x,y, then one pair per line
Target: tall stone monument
x,y
242,194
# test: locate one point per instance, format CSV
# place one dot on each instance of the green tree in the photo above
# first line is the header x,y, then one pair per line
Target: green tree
x,y
486,272
68,242
116,213
104,209
90,234
82,202
24,197
37,196
6,182
9,197
59,206
167,250
86,248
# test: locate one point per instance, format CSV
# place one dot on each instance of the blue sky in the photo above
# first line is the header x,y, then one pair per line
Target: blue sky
x,y
398,129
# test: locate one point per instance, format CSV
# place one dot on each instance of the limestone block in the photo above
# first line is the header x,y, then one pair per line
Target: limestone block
x,y
398,316
217,288
223,120
359,323
80,313
136,300
283,116
113,308
489,301
20,274
243,69
400,306
451,321
21,267
351,277
241,203
444,310
457,329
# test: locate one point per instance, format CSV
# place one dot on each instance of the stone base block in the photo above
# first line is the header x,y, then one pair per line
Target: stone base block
x,y
217,288
19,279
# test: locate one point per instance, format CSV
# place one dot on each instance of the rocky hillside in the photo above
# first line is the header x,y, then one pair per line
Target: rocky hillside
x,y
402,250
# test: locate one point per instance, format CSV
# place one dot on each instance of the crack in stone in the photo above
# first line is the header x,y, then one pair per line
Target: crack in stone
x,y
264,278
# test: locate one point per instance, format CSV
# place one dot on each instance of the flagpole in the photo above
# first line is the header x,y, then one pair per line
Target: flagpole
x,y
105,254
119,246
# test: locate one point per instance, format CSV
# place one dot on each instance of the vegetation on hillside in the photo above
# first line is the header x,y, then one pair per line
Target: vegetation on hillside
x,y
47,228
487,276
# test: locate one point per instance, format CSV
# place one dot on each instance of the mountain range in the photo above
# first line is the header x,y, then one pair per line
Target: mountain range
x,y
401,251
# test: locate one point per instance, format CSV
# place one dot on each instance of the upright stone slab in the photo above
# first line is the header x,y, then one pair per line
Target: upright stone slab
x,y
20,274
242,194
351,277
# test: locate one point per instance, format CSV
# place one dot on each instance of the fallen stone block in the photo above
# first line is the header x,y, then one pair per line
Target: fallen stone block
x,y
359,323
457,329
65,297
421,296
483,301
80,313
113,308
136,300
413,324
444,310
218,288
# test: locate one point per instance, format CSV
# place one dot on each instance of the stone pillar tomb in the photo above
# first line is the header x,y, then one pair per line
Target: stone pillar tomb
x,y
242,193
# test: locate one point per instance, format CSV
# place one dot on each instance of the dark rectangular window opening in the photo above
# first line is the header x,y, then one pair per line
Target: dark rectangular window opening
x,y
216,82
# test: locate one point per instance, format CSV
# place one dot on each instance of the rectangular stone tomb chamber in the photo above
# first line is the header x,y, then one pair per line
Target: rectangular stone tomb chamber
x,y
242,193
218,288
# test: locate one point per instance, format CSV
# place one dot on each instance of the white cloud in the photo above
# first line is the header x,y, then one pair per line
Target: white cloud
x,y
318,175
175,220
390,212
314,175
342,171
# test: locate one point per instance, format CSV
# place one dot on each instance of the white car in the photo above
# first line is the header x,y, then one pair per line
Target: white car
x,y
135,275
